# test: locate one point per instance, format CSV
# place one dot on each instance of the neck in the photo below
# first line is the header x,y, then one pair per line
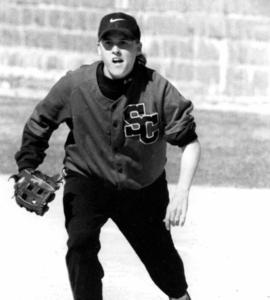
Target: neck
x,y
111,88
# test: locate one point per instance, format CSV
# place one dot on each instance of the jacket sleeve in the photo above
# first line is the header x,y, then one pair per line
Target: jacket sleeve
x,y
46,117
180,127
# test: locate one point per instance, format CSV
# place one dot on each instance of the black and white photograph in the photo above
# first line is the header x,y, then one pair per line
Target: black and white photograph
x,y
135,141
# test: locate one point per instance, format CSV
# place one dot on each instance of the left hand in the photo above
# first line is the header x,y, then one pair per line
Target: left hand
x,y
177,209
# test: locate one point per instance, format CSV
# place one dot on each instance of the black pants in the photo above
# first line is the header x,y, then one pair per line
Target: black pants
x,y
139,214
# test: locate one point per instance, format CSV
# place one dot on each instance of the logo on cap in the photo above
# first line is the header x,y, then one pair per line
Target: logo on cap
x,y
116,20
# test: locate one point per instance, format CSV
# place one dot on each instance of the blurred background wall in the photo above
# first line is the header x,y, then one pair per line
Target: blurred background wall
x,y
215,51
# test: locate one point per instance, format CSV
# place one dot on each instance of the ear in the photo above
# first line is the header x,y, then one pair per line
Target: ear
x,y
139,48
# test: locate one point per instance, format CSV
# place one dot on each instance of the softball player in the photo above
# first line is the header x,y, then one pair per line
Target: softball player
x,y
120,114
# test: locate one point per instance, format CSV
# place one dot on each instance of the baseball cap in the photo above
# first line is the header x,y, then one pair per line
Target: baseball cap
x,y
120,22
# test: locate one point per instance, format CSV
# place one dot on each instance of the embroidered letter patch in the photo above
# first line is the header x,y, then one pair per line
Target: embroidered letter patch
x,y
139,124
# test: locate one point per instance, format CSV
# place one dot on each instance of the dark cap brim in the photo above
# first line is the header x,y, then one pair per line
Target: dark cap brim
x,y
126,32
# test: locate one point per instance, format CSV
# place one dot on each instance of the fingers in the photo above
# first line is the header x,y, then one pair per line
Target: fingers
x,y
177,217
182,219
167,220
174,217
183,215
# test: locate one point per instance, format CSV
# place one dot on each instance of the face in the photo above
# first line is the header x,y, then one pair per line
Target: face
x,y
118,54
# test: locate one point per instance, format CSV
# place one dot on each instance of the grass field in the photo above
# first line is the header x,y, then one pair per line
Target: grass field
x,y
235,146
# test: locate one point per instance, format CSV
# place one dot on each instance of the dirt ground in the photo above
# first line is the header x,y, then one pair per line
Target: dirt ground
x,y
224,244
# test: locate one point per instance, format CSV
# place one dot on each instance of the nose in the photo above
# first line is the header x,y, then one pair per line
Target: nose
x,y
115,49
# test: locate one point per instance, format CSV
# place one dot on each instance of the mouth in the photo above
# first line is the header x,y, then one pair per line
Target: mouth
x,y
117,60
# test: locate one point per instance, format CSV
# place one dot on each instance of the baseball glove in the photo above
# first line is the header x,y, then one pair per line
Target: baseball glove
x,y
33,190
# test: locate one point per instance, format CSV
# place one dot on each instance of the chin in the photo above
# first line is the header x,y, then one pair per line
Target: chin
x,y
118,72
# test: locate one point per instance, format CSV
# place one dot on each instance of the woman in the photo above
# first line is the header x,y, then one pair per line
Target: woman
x,y
120,114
